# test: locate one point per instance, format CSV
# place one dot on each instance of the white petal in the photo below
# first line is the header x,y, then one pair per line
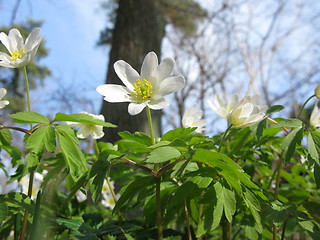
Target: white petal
x,y
114,93
164,69
3,92
33,40
16,40
149,65
126,73
171,84
3,103
83,132
97,133
158,104
136,108
246,109
5,41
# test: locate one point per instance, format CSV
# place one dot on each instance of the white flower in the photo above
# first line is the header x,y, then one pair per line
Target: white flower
x,y
37,181
193,118
106,196
247,113
86,129
223,108
315,117
145,89
317,92
3,103
20,53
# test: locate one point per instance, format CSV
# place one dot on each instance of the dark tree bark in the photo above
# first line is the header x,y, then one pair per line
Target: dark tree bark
x,y
139,29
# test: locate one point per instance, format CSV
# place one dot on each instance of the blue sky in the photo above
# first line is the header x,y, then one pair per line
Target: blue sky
x,y
71,29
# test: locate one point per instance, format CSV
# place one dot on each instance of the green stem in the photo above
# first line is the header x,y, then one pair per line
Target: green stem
x,y
276,193
150,125
224,136
158,181
25,217
305,103
200,210
27,91
158,208
27,87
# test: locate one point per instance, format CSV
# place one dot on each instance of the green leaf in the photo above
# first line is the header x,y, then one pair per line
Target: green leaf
x,y
317,175
43,137
3,212
81,118
314,147
72,154
287,123
30,117
5,137
275,108
290,142
17,200
176,133
32,160
67,131
163,154
98,171
229,202
133,188
136,137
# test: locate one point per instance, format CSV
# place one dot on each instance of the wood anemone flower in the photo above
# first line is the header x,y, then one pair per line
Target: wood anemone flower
x,y
21,53
145,89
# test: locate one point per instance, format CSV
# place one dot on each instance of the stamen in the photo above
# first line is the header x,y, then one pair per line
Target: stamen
x,y
17,54
142,89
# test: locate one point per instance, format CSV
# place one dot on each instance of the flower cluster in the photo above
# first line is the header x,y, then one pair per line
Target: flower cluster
x,y
241,113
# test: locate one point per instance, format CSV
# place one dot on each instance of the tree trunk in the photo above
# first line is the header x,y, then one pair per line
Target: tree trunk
x,y
139,29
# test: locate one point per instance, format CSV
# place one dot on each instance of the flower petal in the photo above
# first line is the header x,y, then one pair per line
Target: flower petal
x,y
33,40
136,108
114,93
149,65
97,133
16,40
158,104
164,69
171,84
3,92
126,73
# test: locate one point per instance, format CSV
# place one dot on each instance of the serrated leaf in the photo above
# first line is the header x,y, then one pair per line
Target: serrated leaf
x,y
290,142
288,123
275,108
17,200
73,156
32,160
133,188
5,137
30,117
98,171
317,175
176,133
314,147
138,137
43,137
82,118
3,211
163,154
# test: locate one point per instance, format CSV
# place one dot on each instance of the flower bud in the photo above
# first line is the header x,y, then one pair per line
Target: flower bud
x,y
317,92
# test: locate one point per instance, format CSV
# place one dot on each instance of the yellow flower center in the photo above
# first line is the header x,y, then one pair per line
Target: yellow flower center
x,y
142,89
17,54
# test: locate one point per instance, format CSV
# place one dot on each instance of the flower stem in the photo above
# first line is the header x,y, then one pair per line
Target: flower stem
x,y
305,103
25,216
150,125
276,193
27,91
158,181
158,208
224,136
27,87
